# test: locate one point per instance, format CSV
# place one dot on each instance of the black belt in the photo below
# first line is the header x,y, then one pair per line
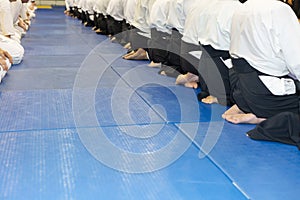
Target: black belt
x,y
242,66
297,83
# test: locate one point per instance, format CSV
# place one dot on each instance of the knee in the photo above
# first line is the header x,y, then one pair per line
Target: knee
x,y
17,53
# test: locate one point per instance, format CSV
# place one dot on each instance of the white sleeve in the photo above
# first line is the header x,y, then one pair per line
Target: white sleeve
x,y
287,29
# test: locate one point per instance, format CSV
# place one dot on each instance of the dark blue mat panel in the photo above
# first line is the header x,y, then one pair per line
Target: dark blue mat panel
x,y
92,39
109,51
112,106
55,165
263,170
120,62
140,75
179,104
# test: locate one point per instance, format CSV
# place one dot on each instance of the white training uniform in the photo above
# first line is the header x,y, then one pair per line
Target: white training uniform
x,y
115,9
159,15
100,6
267,34
13,48
142,17
16,8
69,4
129,10
210,23
178,11
6,19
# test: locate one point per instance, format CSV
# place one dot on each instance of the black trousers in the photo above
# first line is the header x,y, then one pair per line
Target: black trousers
x,y
216,74
296,7
174,48
188,62
283,127
114,27
158,46
102,23
252,96
172,65
125,32
137,40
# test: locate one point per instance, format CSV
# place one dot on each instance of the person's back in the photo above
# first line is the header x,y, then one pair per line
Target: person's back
x,y
266,34
265,54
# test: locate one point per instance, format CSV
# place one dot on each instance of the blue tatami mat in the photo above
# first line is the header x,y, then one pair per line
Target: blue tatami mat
x,y
179,104
54,109
68,61
56,165
140,75
35,110
79,122
120,62
263,170
56,78
42,50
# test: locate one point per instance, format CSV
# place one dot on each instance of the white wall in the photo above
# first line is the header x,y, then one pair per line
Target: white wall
x,y
48,2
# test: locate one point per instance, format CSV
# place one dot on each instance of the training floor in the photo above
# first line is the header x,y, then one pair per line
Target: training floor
x,y
79,122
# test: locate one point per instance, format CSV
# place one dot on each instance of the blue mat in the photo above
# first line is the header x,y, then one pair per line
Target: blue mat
x,y
42,50
53,109
55,165
56,78
263,170
38,62
179,104
76,120
120,62
140,75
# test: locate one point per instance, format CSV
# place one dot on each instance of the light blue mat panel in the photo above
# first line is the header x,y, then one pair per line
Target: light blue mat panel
x,y
53,109
55,165
41,39
40,62
39,109
42,50
263,170
56,78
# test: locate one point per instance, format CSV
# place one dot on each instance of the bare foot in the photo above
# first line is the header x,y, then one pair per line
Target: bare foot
x,y
192,84
236,116
153,64
129,54
210,100
233,110
184,78
127,46
248,118
113,39
98,30
163,73
140,54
